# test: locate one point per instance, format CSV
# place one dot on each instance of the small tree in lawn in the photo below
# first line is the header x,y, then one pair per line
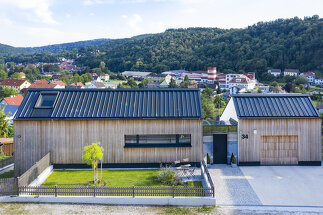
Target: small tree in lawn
x,y
92,154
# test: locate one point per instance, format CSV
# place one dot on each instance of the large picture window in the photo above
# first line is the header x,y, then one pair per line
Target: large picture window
x,y
162,140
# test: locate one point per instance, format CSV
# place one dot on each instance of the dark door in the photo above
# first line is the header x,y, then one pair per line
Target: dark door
x,y
220,148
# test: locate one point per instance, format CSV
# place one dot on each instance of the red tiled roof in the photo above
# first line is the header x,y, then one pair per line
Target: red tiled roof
x,y
94,74
61,83
12,82
42,86
15,100
78,84
41,82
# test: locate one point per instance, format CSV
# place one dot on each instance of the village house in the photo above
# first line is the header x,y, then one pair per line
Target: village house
x,y
274,72
291,72
105,77
22,75
136,127
10,106
136,75
60,84
310,77
97,85
14,84
318,80
77,85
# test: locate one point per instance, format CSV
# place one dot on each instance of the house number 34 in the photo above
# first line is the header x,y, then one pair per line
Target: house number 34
x,y
244,136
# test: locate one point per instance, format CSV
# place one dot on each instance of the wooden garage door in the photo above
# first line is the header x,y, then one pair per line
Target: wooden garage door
x,y
278,150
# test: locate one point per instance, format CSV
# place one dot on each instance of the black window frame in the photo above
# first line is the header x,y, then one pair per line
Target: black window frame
x,y
153,145
39,100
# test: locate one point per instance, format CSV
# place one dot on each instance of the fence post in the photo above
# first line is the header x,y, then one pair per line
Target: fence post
x,y
94,189
213,192
133,191
173,191
55,190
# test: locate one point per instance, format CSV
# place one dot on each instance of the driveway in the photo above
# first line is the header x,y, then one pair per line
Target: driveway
x,y
287,185
268,185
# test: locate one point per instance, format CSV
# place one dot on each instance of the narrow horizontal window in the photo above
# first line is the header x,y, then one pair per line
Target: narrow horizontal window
x,y
172,140
46,101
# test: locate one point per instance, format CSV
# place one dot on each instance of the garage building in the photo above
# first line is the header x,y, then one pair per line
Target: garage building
x,y
275,129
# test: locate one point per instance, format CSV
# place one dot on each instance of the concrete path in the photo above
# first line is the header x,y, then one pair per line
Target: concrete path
x,y
232,187
287,185
269,186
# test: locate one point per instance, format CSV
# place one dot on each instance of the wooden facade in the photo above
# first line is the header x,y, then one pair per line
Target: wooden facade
x,y
279,141
65,140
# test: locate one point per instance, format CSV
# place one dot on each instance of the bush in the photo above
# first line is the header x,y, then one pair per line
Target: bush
x,y
167,176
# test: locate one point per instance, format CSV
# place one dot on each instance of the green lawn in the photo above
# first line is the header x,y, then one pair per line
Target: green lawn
x,y
8,174
111,177
3,157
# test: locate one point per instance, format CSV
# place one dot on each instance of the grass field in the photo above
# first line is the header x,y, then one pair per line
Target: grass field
x,y
8,174
111,177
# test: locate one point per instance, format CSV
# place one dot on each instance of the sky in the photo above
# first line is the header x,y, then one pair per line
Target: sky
x,y
25,23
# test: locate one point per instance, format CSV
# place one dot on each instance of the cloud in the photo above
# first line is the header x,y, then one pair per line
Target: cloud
x,y
95,2
37,10
133,21
5,21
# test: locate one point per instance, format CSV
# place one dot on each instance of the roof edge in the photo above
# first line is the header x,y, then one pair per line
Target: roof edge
x,y
118,89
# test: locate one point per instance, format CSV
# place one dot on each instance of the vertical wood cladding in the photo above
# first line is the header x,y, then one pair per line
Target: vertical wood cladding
x,y
305,132
65,140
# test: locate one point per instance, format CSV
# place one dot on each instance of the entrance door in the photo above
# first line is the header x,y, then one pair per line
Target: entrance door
x,y
220,148
279,150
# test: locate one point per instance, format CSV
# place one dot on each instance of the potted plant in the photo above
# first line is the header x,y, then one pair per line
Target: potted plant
x,y
233,161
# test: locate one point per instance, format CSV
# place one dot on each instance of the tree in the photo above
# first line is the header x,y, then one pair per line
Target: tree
x,y
16,75
7,92
3,74
3,124
301,80
144,83
172,83
92,154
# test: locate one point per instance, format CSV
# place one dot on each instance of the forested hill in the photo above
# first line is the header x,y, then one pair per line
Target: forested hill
x,y
284,43
5,49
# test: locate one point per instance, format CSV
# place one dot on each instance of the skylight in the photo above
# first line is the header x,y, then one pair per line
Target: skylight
x,y
46,101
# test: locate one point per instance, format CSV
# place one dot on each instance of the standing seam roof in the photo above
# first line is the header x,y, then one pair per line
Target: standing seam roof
x,y
114,104
274,106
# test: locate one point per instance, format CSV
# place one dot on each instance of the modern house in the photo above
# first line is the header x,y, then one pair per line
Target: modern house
x,y
274,129
136,127
14,84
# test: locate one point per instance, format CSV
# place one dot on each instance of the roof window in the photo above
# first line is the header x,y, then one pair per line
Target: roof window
x,y
46,100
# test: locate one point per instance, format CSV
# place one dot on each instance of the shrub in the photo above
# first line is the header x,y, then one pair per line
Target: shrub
x,y
233,159
208,159
167,176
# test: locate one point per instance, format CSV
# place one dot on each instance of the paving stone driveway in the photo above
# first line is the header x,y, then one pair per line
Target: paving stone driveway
x,y
232,187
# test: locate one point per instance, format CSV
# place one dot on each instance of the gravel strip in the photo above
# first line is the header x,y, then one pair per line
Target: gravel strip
x,y
231,186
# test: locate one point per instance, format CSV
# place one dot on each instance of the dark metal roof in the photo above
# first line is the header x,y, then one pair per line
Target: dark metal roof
x,y
274,106
114,104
